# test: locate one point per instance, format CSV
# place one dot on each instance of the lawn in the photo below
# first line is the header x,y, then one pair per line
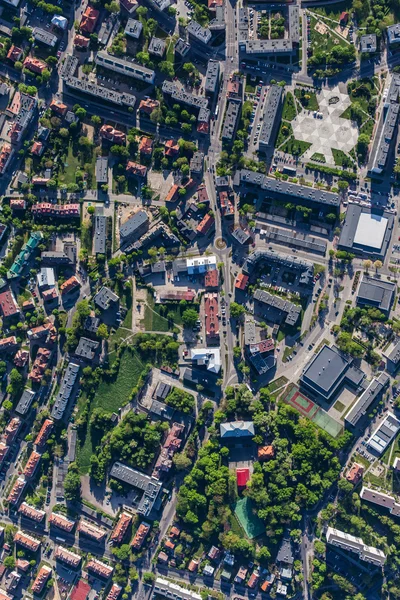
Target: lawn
x,y
110,396
285,131
307,98
318,157
333,11
341,159
277,383
295,147
71,166
162,317
289,108
323,42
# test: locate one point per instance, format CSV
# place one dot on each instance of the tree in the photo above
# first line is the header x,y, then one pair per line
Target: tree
x,y
236,310
96,120
102,331
16,383
378,265
189,317
9,562
181,461
342,185
237,352
367,264
148,577
72,483
80,112
123,552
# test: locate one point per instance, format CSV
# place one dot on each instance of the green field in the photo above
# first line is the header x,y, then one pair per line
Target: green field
x,y
162,317
289,108
295,147
111,396
307,98
251,523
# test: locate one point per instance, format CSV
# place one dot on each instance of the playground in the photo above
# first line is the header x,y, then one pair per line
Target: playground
x,y
308,408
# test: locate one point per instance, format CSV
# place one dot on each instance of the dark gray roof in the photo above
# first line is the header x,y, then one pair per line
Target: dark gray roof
x,y
102,169
105,297
196,162
290,311
91,324
231,121
285,553
326,371
368,43
64,393
375,292
162,390
126,67
134,226
297,240
100,234
394,356
150,486
240,235
162,410
201,34
393,33
25,402
133,28
44,37
270,116
278,188
86,348
178,94
262,364
212,76
291,262
157,46
182,47
363,403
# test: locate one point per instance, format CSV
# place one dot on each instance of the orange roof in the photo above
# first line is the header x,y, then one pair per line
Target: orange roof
x,y
44,432
113,135
91,530
16,490
241,281
14,53
265,452
205,224
175,531
89,19
193,565
81,41
212,4
61,521
37,148
27,541
70,558
140,535
58,107
32,463
99,568
121,528
41,578
211,278
81,591
146,145
355,473
171,148
69,284
170,545
148,105
135,168
171,196
31,512
203,127
34,64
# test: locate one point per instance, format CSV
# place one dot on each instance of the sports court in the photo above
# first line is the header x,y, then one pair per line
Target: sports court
x,y
252,525
308,408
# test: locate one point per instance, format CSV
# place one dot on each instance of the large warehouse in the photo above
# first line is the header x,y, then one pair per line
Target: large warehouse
x,y
366,232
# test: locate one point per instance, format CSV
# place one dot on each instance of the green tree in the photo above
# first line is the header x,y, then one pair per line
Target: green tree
x,y
72,483
189,317
236,310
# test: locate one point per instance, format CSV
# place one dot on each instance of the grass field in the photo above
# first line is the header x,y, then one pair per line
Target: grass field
x,y
318,157
307,98
324,42
341,159
295,147
111,396
333,11
285,131
251,523
162,317
289,108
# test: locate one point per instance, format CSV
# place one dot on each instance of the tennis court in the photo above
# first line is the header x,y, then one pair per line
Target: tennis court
x,y
308,408
251,523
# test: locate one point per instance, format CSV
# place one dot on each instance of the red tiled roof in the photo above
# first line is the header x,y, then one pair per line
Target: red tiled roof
x,y
68,285
121,528
8,306
211,316
355,473
58,107
148,105
44,432
171,148
134,168
113,135
242,477
89,19
172,194
205,224
211,278
81,591
241,281
146,145
140,536
14,53
35,64
81,41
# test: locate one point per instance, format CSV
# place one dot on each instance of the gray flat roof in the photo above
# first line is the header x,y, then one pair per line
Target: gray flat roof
x,y
376,292
326,370
64,394
150,486
100,238
212,76
25,402
270,116
363,403
348,236
102,169
231,120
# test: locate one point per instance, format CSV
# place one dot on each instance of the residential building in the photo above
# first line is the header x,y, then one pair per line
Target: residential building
x,y
44,432
384,434
70,284
32,464
27,541
350,543
14,54
242,477
8,344
46,278
157,47
210,358
91,531
387,126
147,105
134,227
35,65
41,579
170,446
22,108
146,146
25,402
100,234
133,29
212,77
211,318
125,67
80,41
265,453
179,95
393,34
355,473
205,224
105,298
120,529
89,20
44,36
211,279
241,281
381,499
277,308
163,587
114,592
271,117
129,5
11,430
16,491
102,170
87,349
140,535
114,136
47,209
198,33
368,43
99,568
231,121
64,393
61,522
182,47
196,163
68,557
26,510
6,154
134,168
8,306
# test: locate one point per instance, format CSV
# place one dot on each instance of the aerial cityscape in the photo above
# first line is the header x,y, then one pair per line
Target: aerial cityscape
x,y
200,326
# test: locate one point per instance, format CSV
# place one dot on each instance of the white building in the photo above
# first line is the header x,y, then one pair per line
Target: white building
x,y
381,499
209,357
384,434
348,542
163,587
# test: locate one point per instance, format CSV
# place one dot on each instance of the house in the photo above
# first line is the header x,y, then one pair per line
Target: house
x,y
146,146
205,224
174,531
265,452
44,432
119,531
193,565
241,281
58,107
134,168
14,54
8,306
35,65
147,106
70,284
253,580
20,359
8,344
343,19
171,148
163,557
105,298
355,473
214,553
89,20
37,148
208,571
80,41
112,135
241,575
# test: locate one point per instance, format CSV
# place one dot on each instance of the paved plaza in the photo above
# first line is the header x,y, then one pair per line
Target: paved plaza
x,y
330,131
